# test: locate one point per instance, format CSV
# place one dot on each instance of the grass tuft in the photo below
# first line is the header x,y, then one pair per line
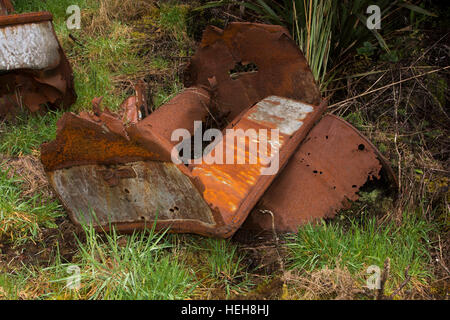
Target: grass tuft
x,y
116,267
26,136
21,219
329,245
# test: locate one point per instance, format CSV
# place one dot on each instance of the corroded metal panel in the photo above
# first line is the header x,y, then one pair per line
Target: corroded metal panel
x,y
125,175
28,46
323,175
280,67
233,189
120,166
138,191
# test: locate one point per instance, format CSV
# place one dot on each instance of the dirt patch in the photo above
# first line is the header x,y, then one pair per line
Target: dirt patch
x,y
42,252
325,283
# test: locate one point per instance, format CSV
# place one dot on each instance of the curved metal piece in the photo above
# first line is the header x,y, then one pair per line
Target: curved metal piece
x,y
122,168
323,175
281,68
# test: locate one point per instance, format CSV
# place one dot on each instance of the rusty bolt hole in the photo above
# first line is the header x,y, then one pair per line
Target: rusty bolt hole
x,y
361,147
241,68
174,209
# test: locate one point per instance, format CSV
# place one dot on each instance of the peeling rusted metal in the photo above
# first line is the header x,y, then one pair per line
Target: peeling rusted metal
x,y
125,174
120,166
6,7
322,177
34,71
233,189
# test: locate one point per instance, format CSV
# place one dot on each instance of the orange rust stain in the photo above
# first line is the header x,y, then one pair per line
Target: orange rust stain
x,y
227,185
88,147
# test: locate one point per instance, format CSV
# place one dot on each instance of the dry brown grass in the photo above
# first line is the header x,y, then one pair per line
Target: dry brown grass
x,y
31,172
98,21
337,283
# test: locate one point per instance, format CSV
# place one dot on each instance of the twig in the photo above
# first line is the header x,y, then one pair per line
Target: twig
x,y
403,284
275,236
396,102
387,86
441,261
72,37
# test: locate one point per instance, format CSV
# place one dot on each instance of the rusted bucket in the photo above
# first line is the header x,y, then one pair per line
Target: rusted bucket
x,y
34,71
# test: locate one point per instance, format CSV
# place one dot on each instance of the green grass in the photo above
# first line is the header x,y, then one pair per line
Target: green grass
x,y
13,285
21,219
366,243
113,266
28,133
224,266
172,18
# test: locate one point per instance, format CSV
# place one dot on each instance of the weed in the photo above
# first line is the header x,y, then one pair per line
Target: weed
x,y
218,264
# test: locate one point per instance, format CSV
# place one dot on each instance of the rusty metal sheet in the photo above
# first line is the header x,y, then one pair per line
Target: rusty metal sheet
x,y
140,193
280,67
125,172
108,138
112,152
34,71
323,175
192,104
6,7
103,139
233,189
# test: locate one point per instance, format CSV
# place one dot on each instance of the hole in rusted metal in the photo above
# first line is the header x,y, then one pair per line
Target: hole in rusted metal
x,y
174,209
361,147
242,68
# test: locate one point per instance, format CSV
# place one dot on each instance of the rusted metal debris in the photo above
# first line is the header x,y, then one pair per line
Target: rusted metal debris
x,y
122,166
6,7
34,71
282,70
321,178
